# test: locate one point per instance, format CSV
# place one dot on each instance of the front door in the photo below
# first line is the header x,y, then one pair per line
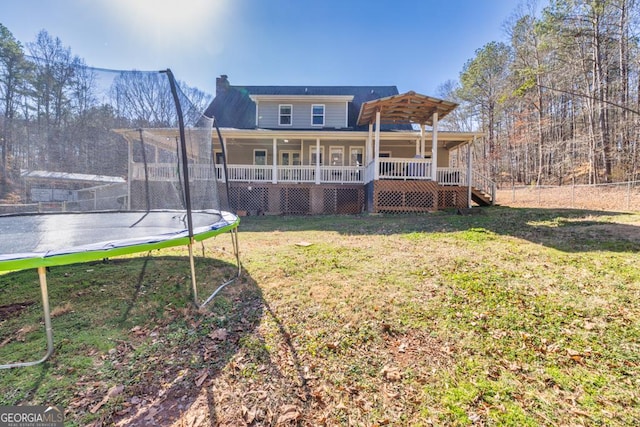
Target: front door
x,y
290,158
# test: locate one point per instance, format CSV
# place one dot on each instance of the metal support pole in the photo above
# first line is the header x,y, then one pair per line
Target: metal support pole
x,y
194,284
42,274
234,242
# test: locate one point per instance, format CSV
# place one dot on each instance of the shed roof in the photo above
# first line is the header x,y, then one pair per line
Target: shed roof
x,y
409,107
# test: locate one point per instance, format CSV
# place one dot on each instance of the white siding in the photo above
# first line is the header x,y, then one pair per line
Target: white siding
x,y
335,114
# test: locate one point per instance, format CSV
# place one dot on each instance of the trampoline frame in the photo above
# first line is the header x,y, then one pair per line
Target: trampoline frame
x,y
42,261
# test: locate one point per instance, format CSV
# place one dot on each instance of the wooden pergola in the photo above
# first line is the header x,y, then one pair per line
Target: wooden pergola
x,y
406,108
410,107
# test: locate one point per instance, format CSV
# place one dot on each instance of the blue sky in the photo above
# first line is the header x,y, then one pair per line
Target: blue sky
x,y
413,44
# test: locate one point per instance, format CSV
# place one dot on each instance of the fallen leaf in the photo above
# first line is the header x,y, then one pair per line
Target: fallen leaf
x,y
113,391
572,352
392,374
333,346
201,377
219,334
289,413
138,331
249,415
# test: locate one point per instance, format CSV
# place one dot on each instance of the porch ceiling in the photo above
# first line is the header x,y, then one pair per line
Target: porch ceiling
x,y
408,107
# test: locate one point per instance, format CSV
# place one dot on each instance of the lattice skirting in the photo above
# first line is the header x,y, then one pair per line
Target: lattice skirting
x,y
391,196
296,199
415,196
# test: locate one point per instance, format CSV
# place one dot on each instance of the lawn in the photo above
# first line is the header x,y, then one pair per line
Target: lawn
x,y
508,317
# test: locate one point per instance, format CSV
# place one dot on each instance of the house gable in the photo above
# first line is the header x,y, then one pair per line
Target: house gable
x,y
299,111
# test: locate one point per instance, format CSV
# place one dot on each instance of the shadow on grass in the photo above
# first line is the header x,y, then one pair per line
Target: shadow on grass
x,y
569,230
130,347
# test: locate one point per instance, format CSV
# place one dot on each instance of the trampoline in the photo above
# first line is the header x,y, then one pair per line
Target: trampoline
x,y
126,190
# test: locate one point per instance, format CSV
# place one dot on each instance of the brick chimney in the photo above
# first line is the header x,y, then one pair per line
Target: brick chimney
x,y
222,84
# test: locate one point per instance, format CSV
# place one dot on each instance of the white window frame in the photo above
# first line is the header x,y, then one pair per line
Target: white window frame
x,y
291,153
290,115
266,156
333,149
217,154
357,150
313,115
312,151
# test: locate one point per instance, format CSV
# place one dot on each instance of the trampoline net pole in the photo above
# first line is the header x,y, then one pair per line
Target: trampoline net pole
x,y
184,160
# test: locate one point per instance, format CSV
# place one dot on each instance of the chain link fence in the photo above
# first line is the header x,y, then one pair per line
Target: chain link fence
x,y
622,196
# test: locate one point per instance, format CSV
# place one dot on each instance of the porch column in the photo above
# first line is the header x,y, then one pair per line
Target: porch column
x,y
376,171
417,146
434,149
423,131
274,168
369,148
225,170
469,173
317,160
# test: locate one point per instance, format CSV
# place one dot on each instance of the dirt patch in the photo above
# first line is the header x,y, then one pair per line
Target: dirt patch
x,y
13,310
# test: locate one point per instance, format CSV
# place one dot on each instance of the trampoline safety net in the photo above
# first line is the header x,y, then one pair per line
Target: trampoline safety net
x,y
93,140
97,163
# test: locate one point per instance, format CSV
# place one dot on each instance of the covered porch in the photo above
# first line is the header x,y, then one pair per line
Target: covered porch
x,y
344,157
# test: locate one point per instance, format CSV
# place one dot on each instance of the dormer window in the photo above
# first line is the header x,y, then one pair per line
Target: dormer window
x,y
286,112
317,115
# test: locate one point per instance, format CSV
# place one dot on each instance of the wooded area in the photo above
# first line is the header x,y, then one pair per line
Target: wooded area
x,y
55,110
559,103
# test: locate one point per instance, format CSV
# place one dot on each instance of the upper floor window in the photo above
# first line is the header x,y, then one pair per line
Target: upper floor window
x,y
285,115
317,115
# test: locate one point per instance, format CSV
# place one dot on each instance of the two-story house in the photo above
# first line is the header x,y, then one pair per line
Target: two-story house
x,y
341,149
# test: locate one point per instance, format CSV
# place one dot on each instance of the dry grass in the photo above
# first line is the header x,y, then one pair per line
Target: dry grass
x,y
512,317
607,197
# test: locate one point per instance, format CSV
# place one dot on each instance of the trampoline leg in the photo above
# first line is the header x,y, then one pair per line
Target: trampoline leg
x,y
42,274
236,251
194,284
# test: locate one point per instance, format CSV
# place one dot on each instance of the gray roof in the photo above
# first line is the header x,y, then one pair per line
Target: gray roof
x,y
232,107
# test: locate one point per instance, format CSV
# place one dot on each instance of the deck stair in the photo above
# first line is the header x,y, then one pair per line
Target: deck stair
x,y
480,197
